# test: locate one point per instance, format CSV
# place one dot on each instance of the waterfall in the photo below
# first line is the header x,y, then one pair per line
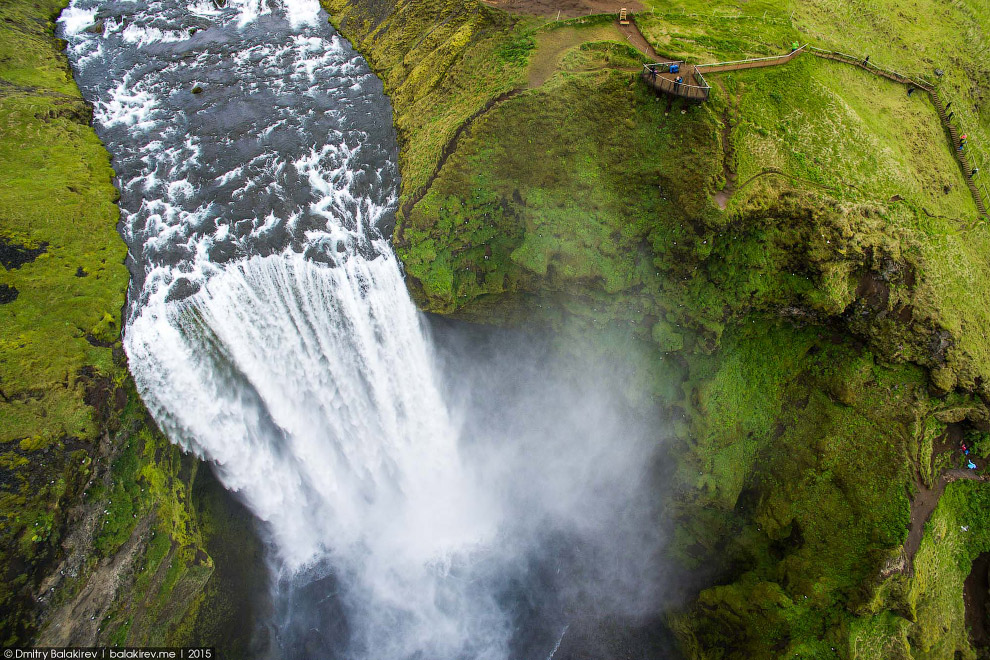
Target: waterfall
x,y
270,332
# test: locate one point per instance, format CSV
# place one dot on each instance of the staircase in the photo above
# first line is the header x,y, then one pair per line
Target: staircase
x,y
954,139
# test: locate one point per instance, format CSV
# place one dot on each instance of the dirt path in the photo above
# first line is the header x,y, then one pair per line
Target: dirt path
x,y
565,8
639,42
551,47
723,196
924,504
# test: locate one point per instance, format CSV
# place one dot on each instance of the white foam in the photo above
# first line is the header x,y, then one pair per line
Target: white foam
x,y
128,105
361,459
302,12
75,19
144,35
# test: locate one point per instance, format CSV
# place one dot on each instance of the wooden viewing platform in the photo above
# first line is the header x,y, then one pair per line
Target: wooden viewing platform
x,y
693,84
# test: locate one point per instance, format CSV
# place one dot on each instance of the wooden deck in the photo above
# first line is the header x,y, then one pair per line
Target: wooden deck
x,y
693,85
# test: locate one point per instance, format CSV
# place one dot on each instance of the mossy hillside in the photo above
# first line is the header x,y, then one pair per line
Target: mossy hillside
x,y
922,615
858,138
795,475
553,186
147,513
587,182
86,483
55,193
441,61
837,163
863,140
796,463
56,207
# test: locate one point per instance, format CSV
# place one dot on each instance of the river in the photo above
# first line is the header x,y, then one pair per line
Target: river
x,y
467,501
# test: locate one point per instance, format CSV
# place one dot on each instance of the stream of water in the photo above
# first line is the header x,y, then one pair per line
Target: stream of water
x,y
269,331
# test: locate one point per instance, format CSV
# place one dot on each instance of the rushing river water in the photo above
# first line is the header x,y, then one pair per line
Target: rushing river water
x,y
269,331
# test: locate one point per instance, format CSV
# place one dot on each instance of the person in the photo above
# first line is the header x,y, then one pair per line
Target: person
x,y
975,171
962,142
866,61
653,72
948,105
794,46
677,82
910,91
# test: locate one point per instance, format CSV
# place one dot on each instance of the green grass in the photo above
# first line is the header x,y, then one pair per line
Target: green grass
x,y
55,192
554,187
441,62
806,533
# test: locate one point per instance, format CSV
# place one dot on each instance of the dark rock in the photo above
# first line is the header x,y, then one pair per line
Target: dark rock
x,y
96,342
96,28
182,288
8,294
14,256
80,272
197,89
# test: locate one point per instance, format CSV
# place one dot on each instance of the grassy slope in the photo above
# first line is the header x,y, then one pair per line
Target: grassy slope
x,y
799,447
441,60
80,467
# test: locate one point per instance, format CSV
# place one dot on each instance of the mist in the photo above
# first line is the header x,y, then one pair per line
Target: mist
x,y
559,492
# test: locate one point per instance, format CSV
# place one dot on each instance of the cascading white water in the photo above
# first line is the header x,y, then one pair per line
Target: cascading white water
x,y
312,389
270,332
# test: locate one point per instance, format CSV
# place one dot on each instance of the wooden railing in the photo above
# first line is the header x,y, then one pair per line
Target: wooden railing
x,y
872,68
981,194
753,63
698,92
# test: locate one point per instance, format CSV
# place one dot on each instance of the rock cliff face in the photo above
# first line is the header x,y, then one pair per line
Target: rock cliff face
x,y
801,253
108,533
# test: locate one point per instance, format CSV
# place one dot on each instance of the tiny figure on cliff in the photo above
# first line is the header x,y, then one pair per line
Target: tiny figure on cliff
x,y
971,465
910,91
794,46
866,61
653,72
975,171
677,82
962,141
